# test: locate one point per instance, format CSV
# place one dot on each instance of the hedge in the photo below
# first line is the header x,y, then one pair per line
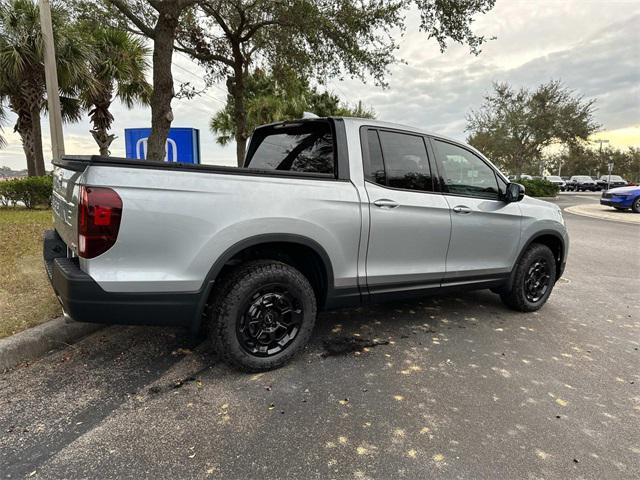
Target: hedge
x,y
539,187
31,191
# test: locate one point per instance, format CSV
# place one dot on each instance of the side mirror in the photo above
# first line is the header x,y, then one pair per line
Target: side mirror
x,y
514,193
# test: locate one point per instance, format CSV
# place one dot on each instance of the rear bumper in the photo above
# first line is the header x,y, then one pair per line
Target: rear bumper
x,y
85,301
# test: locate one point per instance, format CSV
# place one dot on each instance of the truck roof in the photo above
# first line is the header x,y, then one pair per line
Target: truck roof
x,y
358,121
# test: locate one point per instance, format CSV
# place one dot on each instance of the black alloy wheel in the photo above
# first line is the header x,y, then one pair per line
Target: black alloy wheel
x,y
262,315
533,280
537,280
270,322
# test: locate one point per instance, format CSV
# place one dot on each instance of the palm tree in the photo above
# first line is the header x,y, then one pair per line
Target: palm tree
x,y
22,82
118,68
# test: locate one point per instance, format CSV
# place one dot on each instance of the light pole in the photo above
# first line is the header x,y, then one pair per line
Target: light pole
x,y
600,141
51,79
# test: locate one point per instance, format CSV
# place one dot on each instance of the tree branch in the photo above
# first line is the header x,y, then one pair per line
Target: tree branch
x,y
257,26
203,57
216,15
126,11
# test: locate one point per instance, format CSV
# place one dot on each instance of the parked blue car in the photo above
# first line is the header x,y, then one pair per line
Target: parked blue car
x,y
622,198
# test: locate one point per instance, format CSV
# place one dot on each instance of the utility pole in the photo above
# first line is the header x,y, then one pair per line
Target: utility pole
x,y
601,141
51,78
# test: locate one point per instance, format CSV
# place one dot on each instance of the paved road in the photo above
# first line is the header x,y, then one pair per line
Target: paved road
x,y
464,389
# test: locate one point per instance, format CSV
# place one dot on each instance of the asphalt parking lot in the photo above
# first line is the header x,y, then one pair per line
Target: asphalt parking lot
x,y
464,388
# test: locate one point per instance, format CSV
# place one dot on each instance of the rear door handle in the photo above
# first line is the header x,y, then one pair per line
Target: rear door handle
x,y
461,209
385,203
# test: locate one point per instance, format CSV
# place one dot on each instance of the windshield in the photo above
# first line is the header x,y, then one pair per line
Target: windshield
x,y
583,178
613,178
554,179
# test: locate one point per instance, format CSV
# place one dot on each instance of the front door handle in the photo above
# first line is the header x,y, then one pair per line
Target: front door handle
x,y
462,209
385,203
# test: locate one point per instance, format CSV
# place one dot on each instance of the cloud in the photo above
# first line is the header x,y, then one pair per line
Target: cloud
x,y
436,94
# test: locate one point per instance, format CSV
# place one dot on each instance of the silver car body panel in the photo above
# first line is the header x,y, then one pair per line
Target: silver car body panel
x,y
175,226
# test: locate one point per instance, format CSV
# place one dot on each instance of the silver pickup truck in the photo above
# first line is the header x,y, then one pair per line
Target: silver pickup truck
x,y
326,213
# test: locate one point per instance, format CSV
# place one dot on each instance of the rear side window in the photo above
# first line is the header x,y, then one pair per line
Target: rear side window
x,y
399,160
376,165
304,147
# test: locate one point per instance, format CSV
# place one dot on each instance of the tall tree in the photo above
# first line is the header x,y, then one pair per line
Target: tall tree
x,y
316,37
118,67
268,100
158,20
22,82
585,159
513,127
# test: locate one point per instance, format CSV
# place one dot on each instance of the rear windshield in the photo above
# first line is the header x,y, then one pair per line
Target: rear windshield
x,y
613,178
304,147
582,178
554,179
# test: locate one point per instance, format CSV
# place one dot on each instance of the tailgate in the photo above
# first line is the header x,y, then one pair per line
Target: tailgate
x,y
64,203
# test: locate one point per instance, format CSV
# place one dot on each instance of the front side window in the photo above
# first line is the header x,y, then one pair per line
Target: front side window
x,y
465,173
302,148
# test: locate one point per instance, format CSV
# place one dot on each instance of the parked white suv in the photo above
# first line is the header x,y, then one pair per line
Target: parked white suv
x,y
326,213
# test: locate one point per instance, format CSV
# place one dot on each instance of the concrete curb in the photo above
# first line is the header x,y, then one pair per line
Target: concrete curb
x,y
35,342
603,213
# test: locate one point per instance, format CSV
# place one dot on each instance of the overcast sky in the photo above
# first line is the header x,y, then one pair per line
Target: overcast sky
x,y
592,46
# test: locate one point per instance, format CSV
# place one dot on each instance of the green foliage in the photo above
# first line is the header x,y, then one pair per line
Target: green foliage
x,y
538,187
22,79
318,39
513,127
118,65
272,97
31,191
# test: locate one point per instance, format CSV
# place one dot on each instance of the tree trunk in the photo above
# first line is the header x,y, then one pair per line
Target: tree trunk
x,y
37,142
24,127
241,150
25,106
237,90
103,139
161,113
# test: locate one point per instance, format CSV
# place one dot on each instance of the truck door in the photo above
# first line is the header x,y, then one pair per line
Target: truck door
x,y
410,223
485,233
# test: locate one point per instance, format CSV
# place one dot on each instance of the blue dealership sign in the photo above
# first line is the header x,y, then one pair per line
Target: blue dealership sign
x,y
183,144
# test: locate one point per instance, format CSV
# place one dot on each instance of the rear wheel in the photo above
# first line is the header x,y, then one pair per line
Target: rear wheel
x,y
534,279
262,316
636,205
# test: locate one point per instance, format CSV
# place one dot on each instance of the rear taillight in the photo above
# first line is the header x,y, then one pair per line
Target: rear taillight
x,y
99,213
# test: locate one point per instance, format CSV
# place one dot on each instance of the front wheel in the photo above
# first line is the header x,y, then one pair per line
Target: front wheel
x,y
533,281
262,316
636,205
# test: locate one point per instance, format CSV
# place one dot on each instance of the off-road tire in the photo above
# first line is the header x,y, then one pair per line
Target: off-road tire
x,y
516,298
234,291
